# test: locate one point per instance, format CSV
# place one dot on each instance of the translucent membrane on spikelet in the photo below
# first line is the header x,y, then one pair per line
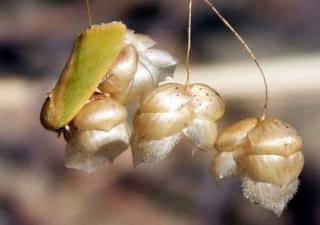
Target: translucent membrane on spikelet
x,y
98,133
269,196
267,155
138,70
172,112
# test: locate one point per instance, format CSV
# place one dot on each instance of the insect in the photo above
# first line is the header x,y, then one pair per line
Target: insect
x,y
94,53
110,67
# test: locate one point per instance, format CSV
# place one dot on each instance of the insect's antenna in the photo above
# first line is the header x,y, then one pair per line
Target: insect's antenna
x,y
89,12
189,43
248,50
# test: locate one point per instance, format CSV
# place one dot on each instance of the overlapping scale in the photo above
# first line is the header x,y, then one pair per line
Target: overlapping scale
x,y
139,69
171,112
98,133
207,107
267,155
159,122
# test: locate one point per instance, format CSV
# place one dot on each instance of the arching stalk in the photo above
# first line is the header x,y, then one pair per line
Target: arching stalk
x,y
189,44
89,13
248,50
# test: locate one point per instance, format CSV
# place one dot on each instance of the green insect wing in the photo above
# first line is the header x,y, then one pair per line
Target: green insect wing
x,y
93,55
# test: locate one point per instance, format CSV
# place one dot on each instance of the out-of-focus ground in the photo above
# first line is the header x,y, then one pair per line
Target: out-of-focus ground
x,y
35,39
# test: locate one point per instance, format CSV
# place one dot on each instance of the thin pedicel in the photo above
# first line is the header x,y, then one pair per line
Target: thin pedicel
x,y
248,50
89,12
188,53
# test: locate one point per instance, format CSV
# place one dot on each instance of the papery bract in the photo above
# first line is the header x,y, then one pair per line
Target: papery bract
x,y
147,67
159,122
171,112
267,155
99,132
207,107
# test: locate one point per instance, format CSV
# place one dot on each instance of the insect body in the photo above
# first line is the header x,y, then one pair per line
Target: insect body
x,y
110,67
93,55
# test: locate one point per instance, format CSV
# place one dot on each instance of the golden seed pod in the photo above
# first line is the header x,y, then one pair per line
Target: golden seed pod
x,y
207,106
138,70
273,154
267,154
206,102
100,114
275,169
228,144
99,132
162,115
235,135
273,136
122,72
162,124
172,112
272,164
166,98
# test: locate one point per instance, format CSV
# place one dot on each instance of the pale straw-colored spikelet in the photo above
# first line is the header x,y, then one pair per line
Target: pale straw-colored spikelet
x,y
101,130
228,144
207,107
98,133
138,69
267,155
159,122
171,112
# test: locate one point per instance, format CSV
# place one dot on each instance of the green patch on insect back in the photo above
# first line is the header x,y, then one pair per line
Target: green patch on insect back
x,y
93,55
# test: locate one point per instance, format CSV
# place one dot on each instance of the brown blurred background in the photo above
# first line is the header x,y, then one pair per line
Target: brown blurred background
x,y
35,39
